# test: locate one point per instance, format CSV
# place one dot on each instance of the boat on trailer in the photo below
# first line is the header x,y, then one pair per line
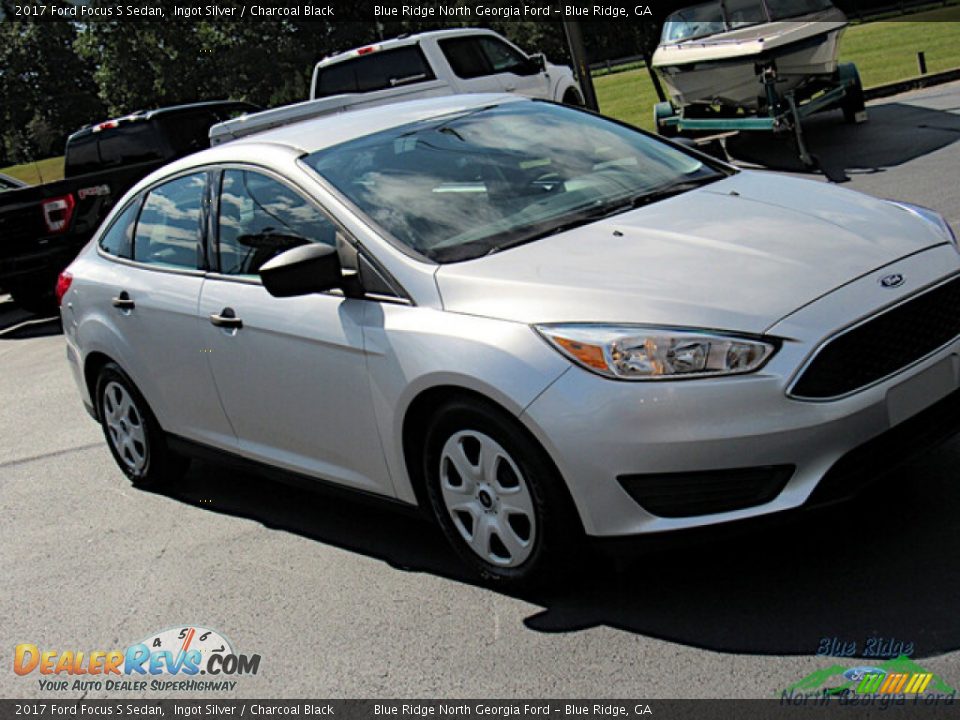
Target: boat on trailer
x,y
715,53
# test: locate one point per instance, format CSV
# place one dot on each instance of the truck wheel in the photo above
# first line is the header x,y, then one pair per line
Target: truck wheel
x,y
497,496
37,297
572,97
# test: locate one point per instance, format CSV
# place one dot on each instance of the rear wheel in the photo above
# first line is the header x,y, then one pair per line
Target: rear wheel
x,y
496,495
135,439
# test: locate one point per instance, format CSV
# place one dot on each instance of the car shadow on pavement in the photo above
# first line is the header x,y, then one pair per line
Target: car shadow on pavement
x,y
896,133
19,324
881,567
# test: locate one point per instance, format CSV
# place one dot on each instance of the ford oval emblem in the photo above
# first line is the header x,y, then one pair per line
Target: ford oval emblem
x,y
892,281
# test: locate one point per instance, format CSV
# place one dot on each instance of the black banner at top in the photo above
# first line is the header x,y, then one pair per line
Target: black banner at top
x,y
426,11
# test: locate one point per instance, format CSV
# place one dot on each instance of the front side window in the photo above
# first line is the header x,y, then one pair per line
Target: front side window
x,y
502,57
169,230
465,185
118,240
260,218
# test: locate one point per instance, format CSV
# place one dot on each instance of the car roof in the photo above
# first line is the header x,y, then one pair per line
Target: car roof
x,y
402,41
317,133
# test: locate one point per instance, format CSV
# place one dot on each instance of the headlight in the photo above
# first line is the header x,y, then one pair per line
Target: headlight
x,y
932,217
632,352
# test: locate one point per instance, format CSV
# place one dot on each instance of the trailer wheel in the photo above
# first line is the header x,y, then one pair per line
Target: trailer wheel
x,y
662,111
853,103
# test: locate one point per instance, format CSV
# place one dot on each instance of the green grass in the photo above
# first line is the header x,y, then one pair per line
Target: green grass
x,y
883,51
34,173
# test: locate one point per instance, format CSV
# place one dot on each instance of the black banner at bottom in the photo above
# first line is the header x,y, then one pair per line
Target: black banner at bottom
x,y
783,707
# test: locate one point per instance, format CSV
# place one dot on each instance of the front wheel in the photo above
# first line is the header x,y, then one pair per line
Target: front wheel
x,y
135,439
496,495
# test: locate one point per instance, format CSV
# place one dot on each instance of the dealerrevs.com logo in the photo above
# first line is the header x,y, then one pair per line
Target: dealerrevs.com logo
x,y
170,660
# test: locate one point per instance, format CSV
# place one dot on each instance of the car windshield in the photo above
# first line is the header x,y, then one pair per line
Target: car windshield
x,y
466,185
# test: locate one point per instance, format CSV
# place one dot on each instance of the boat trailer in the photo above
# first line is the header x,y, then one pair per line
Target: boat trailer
x,y
780,114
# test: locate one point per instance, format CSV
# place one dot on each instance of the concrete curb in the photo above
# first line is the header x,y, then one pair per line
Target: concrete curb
x,y
914,83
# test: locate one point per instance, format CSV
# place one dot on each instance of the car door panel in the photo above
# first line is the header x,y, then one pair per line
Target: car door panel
x,y
293,381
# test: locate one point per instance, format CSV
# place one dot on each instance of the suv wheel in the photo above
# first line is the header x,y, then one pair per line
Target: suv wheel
x,y
495,494
135,439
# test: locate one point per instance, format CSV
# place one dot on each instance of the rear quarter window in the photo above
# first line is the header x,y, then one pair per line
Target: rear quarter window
x,y
376,71
118,240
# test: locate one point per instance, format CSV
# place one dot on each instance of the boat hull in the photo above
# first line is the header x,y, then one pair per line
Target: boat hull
x,y
725,71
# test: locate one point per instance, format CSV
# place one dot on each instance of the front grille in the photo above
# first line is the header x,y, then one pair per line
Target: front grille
x,y
883,345
889,452
673,495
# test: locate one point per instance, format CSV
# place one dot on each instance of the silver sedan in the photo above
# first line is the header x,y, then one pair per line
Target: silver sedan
x,y
533,321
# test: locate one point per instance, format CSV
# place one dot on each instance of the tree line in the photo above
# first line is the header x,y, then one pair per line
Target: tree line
x,y
56,77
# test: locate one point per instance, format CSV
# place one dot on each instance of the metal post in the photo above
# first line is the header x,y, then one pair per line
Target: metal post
x,y
579,56
922,63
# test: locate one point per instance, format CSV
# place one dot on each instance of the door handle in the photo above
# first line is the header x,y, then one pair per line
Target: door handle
x,y
227,319
123,301
509,88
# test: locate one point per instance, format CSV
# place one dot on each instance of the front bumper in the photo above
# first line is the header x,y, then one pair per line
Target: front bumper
x,y
598,430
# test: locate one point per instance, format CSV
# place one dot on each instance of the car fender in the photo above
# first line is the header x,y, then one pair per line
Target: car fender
x,y
410,351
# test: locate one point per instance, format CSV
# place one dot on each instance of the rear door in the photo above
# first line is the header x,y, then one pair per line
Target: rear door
x,y
151,298
291,372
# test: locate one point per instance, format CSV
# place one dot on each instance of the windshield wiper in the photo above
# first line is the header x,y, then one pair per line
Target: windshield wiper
x,y
608,210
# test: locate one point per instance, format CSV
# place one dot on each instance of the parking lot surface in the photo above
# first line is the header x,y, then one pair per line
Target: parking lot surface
x,y
345,600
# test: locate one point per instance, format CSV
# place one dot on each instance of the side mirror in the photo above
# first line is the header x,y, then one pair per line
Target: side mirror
x,y
302,270
539,61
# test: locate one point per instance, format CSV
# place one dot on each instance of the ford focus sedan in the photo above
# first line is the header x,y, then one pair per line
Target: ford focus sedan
x,y
535,323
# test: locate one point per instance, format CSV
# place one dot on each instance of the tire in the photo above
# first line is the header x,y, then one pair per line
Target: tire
x,y
853,101
572,98
661,112
37,297
505,549
133,435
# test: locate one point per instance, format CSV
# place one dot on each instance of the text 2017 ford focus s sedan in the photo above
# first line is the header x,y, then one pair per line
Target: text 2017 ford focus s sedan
x,y
535,321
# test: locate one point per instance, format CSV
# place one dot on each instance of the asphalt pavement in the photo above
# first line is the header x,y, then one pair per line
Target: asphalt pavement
x,y
344,600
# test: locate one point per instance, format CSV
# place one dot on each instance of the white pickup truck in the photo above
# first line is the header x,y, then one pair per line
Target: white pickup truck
x,y
444,62
430,64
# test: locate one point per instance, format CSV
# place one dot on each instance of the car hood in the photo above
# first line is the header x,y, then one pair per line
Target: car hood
x,y
738,254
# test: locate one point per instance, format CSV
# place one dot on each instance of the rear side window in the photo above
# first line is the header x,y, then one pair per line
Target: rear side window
x,y
260,218
118,240
129,143
83,156
169,230
375,71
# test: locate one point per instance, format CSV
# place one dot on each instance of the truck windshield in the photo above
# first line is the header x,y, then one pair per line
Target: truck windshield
x,y
473,183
